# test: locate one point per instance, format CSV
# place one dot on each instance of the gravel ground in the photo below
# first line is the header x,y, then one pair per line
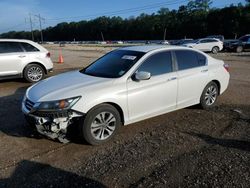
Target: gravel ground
x,y
186,148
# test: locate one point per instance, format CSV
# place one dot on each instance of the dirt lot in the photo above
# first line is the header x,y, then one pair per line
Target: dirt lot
x,y
186,148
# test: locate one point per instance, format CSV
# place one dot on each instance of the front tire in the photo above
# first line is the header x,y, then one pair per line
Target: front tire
x,y
33,73
100,124
239,49
209,96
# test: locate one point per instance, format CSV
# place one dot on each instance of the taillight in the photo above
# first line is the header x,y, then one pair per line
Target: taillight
x,y
48,55
226,66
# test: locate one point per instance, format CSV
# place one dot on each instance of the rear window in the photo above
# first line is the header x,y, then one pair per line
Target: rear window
x,y
10,47
28,47
187,59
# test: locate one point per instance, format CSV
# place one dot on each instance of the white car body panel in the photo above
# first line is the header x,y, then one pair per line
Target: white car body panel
x,y
191,83
153,102
138,100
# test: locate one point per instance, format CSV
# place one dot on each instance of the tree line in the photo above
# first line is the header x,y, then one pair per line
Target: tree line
x,y
194,20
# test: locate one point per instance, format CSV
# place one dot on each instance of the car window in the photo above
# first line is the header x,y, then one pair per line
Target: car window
x,y
202,60
203,41
244,38
157,64
28,47
212,40
187,59
10,47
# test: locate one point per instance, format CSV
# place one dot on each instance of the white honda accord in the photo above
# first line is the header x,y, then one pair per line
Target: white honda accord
x,y
124,86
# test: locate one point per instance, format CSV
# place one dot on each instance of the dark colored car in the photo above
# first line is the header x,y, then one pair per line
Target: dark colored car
x,y
240,45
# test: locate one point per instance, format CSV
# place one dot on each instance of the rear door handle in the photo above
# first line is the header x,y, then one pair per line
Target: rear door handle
x,y
22,56
173,78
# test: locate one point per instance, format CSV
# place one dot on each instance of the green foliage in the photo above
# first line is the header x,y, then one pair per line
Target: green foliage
x,y
194,20
199,5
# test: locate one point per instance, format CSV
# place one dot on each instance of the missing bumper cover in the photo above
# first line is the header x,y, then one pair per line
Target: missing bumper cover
x,y
53,124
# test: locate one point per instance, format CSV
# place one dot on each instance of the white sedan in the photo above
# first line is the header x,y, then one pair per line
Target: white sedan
x,y
206,45
124,86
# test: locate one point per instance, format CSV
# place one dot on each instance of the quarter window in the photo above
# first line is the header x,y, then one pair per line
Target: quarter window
x,y
188,59
10,47
158,64
202,60
28,47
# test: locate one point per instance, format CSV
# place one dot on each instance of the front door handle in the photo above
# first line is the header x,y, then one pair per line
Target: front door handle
x,y
173,78
204,70
22,56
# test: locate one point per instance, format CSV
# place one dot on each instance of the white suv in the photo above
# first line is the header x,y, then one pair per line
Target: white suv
x,y
124,86
23,59
206,45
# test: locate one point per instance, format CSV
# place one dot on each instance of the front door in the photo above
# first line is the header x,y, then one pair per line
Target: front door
x,y
147,98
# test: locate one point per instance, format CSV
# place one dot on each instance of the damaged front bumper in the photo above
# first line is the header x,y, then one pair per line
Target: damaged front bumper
x,y
53,124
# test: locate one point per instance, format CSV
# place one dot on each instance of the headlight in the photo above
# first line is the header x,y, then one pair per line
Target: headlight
x,y
63,104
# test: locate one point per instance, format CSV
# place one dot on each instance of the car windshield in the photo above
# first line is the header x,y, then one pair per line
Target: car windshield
x,y
193,41
186,41
114,64
243,38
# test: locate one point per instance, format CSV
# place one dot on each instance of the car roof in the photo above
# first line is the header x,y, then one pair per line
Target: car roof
x,y
41,48
147,48
15,40
209,38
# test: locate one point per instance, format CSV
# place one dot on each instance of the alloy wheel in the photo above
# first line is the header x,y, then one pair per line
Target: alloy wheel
x,y
35,73
103,125
211,95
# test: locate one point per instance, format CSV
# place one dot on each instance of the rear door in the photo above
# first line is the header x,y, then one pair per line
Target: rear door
x,y
11,58
31,51
192,76
203,45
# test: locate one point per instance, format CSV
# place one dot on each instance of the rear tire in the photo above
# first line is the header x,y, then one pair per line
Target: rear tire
x,y
100,124
33,73
209,95
215,50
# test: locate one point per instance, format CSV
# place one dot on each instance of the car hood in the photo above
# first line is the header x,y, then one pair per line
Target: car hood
x,y
63,86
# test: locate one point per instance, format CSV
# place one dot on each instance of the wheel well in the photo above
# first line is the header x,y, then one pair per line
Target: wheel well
x,y
119,109
36,63
218,84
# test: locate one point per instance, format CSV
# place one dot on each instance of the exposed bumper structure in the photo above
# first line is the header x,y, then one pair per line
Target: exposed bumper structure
x,y
53,124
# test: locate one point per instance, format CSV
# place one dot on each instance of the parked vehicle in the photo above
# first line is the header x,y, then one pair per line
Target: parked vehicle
x,y
240,45
122,87
181,41
23,59
220,37
164,42
119,42
206,45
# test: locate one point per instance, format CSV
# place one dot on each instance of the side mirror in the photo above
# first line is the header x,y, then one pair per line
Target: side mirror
x,y
142,75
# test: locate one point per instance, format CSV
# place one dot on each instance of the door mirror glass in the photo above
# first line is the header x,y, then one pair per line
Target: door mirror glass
x,y
141,75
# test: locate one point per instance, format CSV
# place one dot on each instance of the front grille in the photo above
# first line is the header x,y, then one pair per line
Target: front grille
x,y
29,104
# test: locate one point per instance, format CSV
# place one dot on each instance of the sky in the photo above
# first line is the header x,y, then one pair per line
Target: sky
x,y
14,14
